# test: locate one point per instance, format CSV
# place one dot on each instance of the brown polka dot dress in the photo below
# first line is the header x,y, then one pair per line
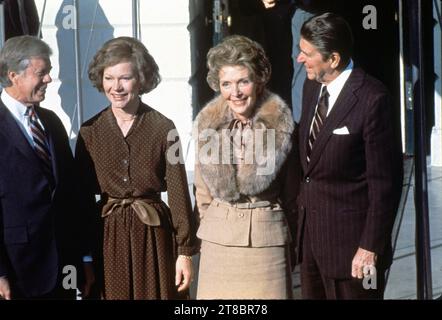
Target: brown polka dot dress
x,y
138,259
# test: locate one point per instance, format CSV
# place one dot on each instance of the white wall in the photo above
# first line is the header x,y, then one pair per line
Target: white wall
x,y
163,31
436,134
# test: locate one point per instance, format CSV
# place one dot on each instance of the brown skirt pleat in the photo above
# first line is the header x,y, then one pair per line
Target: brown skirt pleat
x,y
139,260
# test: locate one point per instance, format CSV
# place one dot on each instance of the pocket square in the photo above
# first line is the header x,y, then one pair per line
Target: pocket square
x,y
341,131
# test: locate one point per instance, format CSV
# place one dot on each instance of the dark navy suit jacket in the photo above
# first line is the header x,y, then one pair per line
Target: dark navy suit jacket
x,y
42,229
352,185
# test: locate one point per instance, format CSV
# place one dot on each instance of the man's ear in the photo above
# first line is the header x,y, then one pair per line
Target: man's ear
x,y
335,59
12,76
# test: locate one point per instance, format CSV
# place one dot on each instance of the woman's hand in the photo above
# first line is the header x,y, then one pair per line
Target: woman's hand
x,y
184,272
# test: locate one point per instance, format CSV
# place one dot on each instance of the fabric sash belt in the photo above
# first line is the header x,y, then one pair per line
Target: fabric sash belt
x,y
142,207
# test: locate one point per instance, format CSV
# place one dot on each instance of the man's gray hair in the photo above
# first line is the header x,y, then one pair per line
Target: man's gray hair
x,y
17,53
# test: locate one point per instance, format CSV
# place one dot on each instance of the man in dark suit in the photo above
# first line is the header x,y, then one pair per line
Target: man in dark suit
x,y
352,169
41,225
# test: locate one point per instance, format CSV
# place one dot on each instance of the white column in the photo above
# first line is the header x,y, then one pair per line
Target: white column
x,y
436,134
163,29
2,24
402,76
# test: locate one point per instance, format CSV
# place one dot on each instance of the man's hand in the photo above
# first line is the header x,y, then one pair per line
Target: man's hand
x,y
89,279
184,272
363,259
5,290
269,3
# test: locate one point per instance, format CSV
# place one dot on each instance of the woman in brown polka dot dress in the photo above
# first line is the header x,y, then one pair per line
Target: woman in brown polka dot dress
x,y
125,157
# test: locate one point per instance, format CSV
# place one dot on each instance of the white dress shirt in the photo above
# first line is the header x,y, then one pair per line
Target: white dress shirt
x,y
18,111
334,88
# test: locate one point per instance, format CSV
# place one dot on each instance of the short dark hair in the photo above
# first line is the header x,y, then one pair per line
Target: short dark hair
x,y
125,49
329,33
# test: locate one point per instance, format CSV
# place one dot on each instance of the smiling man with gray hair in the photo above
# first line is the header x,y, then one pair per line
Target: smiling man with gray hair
x,y
39,216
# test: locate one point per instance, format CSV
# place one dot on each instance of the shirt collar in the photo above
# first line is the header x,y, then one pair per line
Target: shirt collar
x,y
17,108
335,87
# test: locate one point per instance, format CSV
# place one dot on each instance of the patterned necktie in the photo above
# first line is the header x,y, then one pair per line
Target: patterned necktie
x,y
318,120
40,141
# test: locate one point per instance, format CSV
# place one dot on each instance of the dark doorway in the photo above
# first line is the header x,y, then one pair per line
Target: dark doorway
x,y
376,50
201,37
21,17
272,29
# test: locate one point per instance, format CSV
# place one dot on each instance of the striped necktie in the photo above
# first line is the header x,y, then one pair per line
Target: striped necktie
x,y
41,145
318,120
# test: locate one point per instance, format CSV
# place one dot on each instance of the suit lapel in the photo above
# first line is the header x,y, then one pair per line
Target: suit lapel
x,y
309,112
13,132
345,102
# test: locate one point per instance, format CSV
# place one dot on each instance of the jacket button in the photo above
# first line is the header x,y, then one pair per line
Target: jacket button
x,y
241,215
307,179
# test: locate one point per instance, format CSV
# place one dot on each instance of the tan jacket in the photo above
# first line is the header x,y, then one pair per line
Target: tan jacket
x,y
228,225
221,190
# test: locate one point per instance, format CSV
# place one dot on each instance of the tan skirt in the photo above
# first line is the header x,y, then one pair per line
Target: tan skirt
x,y
244,272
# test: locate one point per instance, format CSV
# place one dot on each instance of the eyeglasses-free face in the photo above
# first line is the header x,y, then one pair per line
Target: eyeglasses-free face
x,y
238,90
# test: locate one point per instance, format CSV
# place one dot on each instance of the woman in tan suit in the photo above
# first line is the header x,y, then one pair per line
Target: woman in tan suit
x,y
246,179
123,154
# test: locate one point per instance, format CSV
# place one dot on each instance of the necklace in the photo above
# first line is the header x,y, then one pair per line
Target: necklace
x,y
124,117
128,119
125,124
132,117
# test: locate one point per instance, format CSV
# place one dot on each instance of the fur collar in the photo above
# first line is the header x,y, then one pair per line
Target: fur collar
x,y
226,180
